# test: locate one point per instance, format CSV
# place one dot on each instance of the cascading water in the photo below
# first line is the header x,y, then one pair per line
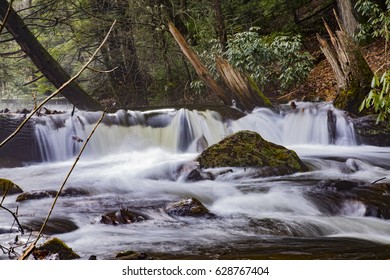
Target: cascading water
x,y
138,160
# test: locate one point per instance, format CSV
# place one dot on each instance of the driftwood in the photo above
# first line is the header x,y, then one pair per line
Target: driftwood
x,y
352,72
240,88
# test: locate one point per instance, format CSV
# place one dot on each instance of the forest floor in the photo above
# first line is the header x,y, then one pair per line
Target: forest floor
x,y
321,83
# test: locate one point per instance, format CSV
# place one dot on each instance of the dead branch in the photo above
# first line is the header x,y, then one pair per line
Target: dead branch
x,y
31,248
59,89
6,16
15,217
102,71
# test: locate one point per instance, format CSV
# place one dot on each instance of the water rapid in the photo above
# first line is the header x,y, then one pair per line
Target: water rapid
x,y
136,160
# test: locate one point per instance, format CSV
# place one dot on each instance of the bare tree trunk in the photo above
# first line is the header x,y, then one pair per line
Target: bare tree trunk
x,y
352,72
200,69
220,25
346,10
45,62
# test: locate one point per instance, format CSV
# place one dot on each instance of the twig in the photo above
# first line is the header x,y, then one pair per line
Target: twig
x,y
103,71
15,217
6,16
381,179
31,248
58,90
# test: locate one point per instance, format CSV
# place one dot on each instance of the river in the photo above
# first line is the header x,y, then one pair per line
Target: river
x,y
135,160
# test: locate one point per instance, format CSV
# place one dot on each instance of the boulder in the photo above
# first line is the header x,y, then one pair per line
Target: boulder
x,y
190,207
371,133
248,149
9,187
55,225
54,249
123,216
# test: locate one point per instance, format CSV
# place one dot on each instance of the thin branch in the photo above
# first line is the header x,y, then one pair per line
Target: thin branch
x,y
6,16
31,248
58,90
102,71
15,217
33,80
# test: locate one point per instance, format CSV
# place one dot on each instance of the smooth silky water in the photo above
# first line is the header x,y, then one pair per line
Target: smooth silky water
x,y
138,160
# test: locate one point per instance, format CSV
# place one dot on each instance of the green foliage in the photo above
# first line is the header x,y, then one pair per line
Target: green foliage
x,y
378,20
270,59
379,96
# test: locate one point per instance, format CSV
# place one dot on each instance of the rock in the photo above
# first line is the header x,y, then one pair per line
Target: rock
x,y
131,255
123,216
249,149
188,208
198,175
55,225
54,248
370,133
9,187
50,194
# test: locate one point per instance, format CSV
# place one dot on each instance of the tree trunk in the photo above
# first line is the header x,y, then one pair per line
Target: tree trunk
x,y
352,72
45,62
200,69
347,12
243,89
220,25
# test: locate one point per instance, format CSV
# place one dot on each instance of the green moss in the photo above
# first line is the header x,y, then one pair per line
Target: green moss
x,y
249,149
9,187
55,246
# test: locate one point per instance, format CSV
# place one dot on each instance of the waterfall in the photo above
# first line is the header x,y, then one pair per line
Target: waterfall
x,y
185,130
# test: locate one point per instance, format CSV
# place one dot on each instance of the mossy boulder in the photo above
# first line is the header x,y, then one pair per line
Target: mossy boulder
x,y
9,187
55,248
190,207
248,149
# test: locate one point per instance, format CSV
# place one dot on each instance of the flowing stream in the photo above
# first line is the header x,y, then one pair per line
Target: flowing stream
x,y
138,160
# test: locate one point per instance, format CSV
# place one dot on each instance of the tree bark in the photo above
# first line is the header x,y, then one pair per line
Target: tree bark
x,y
348,18
200,69
220,25
352,72
49,67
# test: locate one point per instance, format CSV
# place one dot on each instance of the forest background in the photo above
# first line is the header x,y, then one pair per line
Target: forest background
x,y
273,41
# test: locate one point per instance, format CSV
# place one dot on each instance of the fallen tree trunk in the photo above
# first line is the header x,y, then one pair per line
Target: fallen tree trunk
x,y
351,70
49,67
200,69
240,88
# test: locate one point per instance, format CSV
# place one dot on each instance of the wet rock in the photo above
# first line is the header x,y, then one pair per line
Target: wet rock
x,y
249,149
123,216
198,175
55,249
370,133
9,187
72,192
188,208
55,225
374,197
131,255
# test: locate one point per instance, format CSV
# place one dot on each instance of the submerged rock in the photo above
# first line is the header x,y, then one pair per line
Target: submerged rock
x,y
123,216
190,207
55,225
131,255
73,192
55,249
249,149
9,187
